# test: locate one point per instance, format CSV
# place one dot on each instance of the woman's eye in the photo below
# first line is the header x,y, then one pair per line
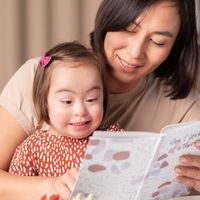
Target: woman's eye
x,y
157,43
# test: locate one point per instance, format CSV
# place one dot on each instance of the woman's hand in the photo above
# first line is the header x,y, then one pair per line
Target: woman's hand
x,y
189,175
64,184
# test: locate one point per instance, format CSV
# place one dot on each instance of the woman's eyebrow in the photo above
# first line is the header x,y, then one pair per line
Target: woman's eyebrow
x,y
164,33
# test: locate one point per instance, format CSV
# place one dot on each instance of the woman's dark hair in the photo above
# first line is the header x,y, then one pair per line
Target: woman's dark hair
x,y
179,70
66,52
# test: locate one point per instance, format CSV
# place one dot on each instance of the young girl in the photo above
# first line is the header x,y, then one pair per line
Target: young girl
x,y
70,96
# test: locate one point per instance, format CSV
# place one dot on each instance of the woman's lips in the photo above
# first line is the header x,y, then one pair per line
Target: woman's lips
x,y
127,67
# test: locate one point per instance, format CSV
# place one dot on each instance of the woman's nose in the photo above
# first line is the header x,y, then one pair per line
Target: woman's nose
x,y
136,48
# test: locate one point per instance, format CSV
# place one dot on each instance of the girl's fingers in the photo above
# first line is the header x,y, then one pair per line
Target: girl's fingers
x,y
64,192
74,172
69,178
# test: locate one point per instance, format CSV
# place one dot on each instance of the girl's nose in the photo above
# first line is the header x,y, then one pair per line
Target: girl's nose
x,y
80,109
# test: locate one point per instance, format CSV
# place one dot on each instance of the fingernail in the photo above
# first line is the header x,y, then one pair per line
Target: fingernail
x,y
183,160
177,170
178,180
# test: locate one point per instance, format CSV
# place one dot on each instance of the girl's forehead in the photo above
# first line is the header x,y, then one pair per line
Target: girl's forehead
x,y
64,69
74,63
76,78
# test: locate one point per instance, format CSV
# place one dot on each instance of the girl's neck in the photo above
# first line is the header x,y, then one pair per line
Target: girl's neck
x,y
53,131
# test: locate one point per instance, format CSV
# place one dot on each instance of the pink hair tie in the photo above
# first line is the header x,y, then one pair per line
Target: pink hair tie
x,y
45,60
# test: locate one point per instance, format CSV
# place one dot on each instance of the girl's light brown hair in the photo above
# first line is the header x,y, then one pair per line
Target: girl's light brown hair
x,y
66,52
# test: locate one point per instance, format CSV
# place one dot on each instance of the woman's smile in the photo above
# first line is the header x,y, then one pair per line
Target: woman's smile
x,y
126,66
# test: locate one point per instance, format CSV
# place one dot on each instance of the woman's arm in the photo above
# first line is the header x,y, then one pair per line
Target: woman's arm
x,y
14,187
11,135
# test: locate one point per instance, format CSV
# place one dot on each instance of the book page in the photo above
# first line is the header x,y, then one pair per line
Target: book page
x,y
114,166
177,140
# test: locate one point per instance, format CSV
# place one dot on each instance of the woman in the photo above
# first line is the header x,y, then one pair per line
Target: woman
x,y
150,50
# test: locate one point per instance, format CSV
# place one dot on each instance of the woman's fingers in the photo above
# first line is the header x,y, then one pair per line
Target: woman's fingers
x,y
191,182
189,172
192,160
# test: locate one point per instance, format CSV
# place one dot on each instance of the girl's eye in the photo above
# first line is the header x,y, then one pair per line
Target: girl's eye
x,y
67,102
91,99
157,43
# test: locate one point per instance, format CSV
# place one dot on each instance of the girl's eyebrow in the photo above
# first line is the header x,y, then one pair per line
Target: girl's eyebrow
x,y
68,90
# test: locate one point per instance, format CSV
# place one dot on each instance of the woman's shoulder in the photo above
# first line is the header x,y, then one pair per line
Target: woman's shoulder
x,y
27,69
31,63
182,109
158,88
24,74
16,96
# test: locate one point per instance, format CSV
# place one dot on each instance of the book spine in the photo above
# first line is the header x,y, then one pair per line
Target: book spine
x,y
147,172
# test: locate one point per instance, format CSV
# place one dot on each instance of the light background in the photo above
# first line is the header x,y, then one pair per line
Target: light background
x,y
30,27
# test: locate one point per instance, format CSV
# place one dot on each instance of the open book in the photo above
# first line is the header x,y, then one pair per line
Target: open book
x,y
135,165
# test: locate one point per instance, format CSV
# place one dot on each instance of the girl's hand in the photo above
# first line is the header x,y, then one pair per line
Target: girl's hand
x,y
64,184
189,175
